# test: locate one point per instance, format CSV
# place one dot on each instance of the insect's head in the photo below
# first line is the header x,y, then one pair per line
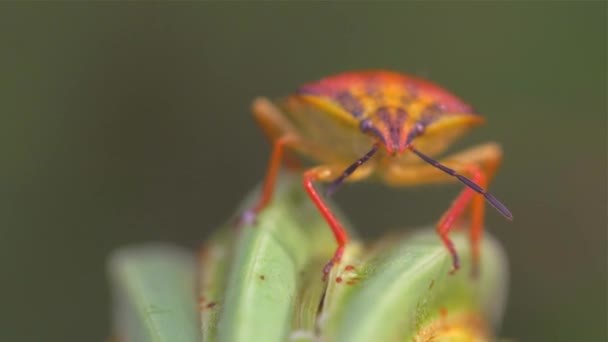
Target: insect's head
x,y
393,128
397,127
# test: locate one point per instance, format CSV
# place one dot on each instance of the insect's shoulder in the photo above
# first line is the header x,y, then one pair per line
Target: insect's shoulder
x,y
344,96
440,97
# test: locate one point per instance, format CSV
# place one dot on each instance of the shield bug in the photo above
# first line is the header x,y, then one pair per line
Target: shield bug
x,y
383,125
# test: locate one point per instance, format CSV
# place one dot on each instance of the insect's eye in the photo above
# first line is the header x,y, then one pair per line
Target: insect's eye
x,y
365,125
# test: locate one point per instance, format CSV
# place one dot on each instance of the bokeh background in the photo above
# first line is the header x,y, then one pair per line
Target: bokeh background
x,y
123,123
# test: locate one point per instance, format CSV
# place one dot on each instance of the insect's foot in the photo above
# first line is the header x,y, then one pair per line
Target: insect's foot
x,y
327,269
335,260
455,265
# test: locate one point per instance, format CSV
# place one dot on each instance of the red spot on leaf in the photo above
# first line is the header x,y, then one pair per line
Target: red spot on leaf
x,y
349,268
210,305
338,280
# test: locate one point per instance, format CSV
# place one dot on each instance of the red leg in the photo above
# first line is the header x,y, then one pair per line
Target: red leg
x,y
339,232
477,219
455,211
278,152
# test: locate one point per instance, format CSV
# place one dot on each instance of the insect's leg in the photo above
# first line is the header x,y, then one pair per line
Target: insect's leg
x,y
480,163
326,173
272,172
274,125
477,217
455,211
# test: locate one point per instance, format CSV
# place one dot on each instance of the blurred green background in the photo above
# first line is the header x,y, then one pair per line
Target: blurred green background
x,y
123,123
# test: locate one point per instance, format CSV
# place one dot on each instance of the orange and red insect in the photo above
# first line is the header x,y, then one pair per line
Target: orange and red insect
x,y
383,125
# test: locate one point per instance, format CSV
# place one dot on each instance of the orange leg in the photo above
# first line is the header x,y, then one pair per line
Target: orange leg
x,y
480,163
456,210
339,231
278,152
324,174
274,125
477,220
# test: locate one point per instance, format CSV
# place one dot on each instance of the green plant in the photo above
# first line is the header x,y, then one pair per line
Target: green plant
x,y
263,283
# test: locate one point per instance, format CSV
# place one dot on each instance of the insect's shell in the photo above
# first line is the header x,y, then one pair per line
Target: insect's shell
x,y
329,112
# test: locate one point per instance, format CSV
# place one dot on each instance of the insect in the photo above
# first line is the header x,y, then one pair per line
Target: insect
x,y
383,125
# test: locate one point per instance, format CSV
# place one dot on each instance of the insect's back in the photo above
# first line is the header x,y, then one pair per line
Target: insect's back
x,y
331,112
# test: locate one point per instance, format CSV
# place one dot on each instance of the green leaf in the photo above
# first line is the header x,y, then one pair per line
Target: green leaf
x,y
154,295
263,283
403,290
214,263
269,257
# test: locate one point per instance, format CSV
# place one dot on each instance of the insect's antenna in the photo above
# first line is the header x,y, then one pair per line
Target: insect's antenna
x,y
491,199
333,186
